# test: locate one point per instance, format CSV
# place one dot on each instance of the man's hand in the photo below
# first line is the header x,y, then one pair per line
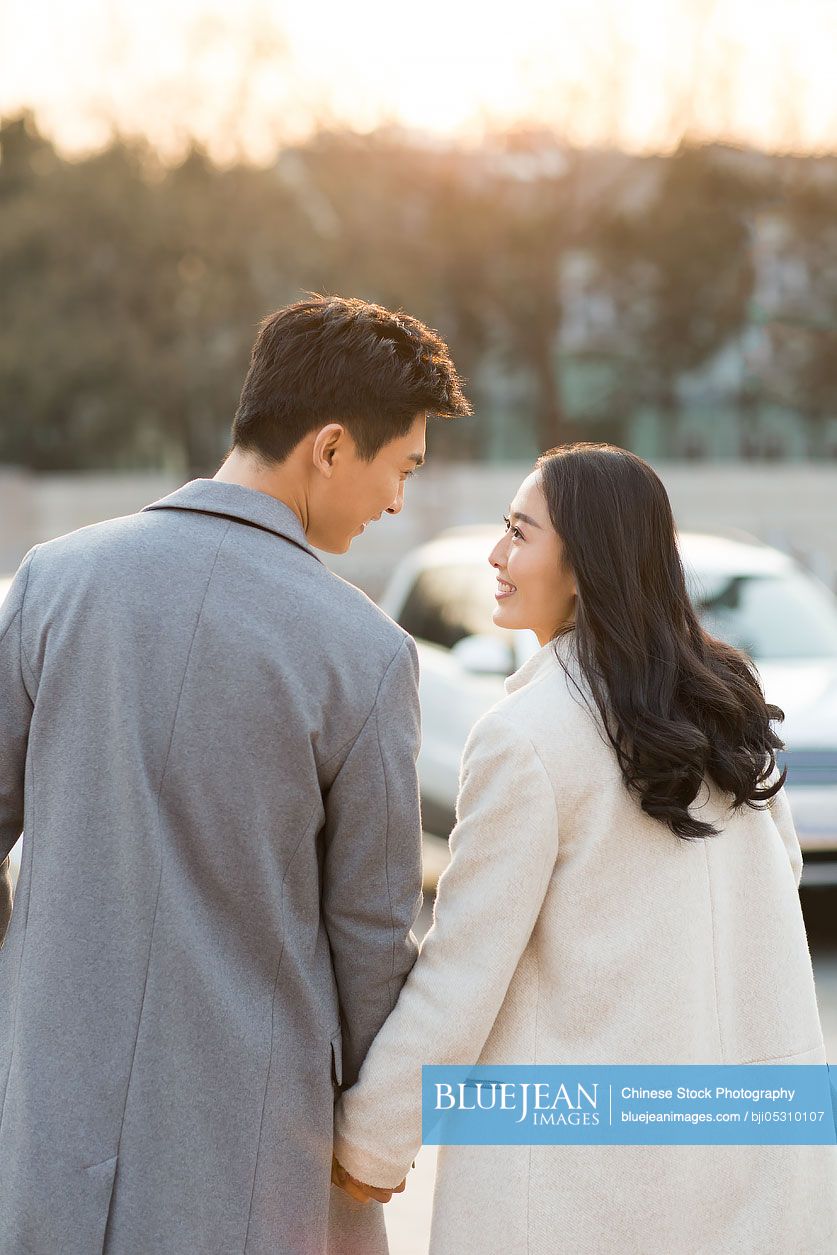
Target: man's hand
x,y
359,1189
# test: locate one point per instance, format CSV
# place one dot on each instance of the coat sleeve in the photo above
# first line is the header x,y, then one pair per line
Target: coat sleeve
x,y
372,864
782,817
15,716
503,852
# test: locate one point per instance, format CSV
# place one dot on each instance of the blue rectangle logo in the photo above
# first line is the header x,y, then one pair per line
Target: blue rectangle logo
x,y
637,1104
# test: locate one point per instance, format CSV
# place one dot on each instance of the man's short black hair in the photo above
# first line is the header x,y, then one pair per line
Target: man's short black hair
x,y
338,359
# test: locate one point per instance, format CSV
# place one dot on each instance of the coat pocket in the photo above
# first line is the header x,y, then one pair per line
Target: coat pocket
x,y
53,1204
99,1179
800,1056
337,1058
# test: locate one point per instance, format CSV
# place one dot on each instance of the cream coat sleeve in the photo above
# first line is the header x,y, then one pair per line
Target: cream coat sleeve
x,y
779,809
783,819
503,851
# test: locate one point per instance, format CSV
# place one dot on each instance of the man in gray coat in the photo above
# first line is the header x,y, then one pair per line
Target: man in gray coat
x,y
209,741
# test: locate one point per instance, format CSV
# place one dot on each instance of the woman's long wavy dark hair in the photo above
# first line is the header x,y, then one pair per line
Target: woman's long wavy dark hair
x,y
675,702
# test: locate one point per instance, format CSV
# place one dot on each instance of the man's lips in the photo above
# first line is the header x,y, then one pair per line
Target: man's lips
x,y
374,519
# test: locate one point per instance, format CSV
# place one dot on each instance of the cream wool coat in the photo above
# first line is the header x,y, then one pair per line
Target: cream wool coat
x,y
570,927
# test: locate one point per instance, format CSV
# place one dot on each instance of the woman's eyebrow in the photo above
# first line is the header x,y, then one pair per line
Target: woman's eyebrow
x,y
525,518
418,458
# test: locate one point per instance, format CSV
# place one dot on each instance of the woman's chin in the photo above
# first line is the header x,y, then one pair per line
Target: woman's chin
x,y
504,618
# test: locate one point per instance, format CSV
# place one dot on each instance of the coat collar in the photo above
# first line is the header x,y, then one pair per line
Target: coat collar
x,y
543,660
234,501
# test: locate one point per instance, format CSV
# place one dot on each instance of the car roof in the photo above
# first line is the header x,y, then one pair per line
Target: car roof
x,y
734,551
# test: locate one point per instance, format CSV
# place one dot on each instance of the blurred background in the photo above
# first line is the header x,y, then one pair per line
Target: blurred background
x,y
621,214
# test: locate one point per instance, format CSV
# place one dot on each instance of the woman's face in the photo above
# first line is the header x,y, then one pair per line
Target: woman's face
x,y
533,589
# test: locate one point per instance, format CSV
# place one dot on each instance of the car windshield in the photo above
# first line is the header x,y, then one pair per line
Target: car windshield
x,y
787,615
771,616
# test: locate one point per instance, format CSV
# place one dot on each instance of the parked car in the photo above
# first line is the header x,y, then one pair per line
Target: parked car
x,y
745,592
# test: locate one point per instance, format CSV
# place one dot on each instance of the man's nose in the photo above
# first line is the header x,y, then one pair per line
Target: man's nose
x,y
398,503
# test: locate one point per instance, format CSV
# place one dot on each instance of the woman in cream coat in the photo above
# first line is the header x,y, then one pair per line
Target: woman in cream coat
x,y
584,919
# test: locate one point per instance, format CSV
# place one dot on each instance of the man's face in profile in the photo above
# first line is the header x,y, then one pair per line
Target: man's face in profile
x,y
358,492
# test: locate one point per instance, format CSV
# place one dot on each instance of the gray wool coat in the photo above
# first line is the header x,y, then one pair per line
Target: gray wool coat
x,y
209,742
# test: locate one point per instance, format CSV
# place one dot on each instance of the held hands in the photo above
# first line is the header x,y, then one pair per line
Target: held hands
x,y
359,1190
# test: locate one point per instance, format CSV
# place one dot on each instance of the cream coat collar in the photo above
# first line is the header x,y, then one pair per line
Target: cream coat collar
x,y
542,660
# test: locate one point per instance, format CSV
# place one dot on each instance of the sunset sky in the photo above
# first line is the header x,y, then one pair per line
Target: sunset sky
x,y
244,77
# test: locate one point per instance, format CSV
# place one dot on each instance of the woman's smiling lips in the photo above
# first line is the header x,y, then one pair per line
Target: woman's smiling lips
x,y
504,589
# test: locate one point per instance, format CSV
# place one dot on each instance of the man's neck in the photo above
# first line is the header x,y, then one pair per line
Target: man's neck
x,y
243,469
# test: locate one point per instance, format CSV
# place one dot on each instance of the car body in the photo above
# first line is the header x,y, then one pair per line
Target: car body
x,y
747,593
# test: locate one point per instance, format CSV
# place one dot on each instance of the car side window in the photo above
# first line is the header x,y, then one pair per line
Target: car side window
x,y
448,603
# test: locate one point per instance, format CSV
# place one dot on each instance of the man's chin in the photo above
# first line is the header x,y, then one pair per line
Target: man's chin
x,y
332,544
350,539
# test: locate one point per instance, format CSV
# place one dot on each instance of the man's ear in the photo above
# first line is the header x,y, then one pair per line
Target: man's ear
x,y
326,447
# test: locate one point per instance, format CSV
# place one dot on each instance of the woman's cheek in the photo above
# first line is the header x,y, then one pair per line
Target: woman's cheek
x,y
517,568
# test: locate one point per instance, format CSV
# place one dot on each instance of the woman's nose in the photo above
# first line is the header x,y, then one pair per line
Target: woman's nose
x,y
495,557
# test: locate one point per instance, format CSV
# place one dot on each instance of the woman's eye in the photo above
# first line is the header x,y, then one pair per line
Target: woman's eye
x,y
515,531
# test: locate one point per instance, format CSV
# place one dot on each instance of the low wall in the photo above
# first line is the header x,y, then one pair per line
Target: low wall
x,y
792,506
